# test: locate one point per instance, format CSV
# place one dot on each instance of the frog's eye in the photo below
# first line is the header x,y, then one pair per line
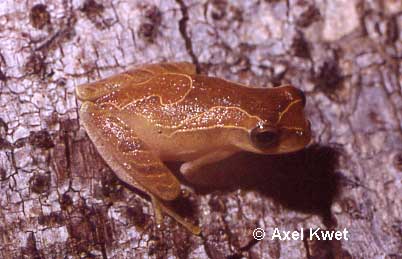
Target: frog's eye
x,y
264,137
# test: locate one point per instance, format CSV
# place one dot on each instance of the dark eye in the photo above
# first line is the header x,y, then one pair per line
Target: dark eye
x,y
264,137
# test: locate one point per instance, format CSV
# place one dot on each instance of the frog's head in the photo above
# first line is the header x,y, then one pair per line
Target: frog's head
x,y
281,126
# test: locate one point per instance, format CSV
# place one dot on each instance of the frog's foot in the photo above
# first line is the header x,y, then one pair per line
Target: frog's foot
x,y
159,207
191,166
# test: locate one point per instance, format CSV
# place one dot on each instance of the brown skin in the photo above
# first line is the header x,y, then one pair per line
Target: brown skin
x,y
166,111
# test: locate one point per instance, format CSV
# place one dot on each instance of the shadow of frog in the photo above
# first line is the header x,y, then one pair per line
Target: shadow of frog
x,y
303,181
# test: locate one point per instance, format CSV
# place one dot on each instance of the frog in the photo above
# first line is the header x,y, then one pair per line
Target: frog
x,y
155,113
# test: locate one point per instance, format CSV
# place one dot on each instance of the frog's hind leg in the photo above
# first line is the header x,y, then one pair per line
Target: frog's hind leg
x,y
159,207
131,159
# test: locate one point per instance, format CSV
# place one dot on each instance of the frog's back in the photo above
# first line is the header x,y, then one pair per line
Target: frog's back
x,y
173,109
172,99
171,96
135,77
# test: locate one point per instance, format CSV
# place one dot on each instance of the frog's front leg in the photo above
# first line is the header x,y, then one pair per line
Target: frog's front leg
x,y
191,166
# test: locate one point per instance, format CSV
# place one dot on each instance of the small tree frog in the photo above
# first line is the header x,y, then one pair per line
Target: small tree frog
x,y
167,112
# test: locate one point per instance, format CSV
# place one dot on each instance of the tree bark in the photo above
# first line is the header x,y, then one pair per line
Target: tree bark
x,y
58,199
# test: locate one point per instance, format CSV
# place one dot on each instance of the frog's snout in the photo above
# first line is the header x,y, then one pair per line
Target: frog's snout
x,y
303,98
299,95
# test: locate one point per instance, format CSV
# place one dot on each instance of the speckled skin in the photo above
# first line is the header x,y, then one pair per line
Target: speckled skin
x,y
161,112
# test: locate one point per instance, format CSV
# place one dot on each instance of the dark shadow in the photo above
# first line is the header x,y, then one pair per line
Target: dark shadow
x,y
304,181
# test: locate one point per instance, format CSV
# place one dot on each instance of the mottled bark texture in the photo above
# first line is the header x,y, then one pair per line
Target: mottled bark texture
x,y
58,199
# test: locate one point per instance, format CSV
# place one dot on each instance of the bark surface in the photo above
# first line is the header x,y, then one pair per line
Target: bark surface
x,y
58,199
